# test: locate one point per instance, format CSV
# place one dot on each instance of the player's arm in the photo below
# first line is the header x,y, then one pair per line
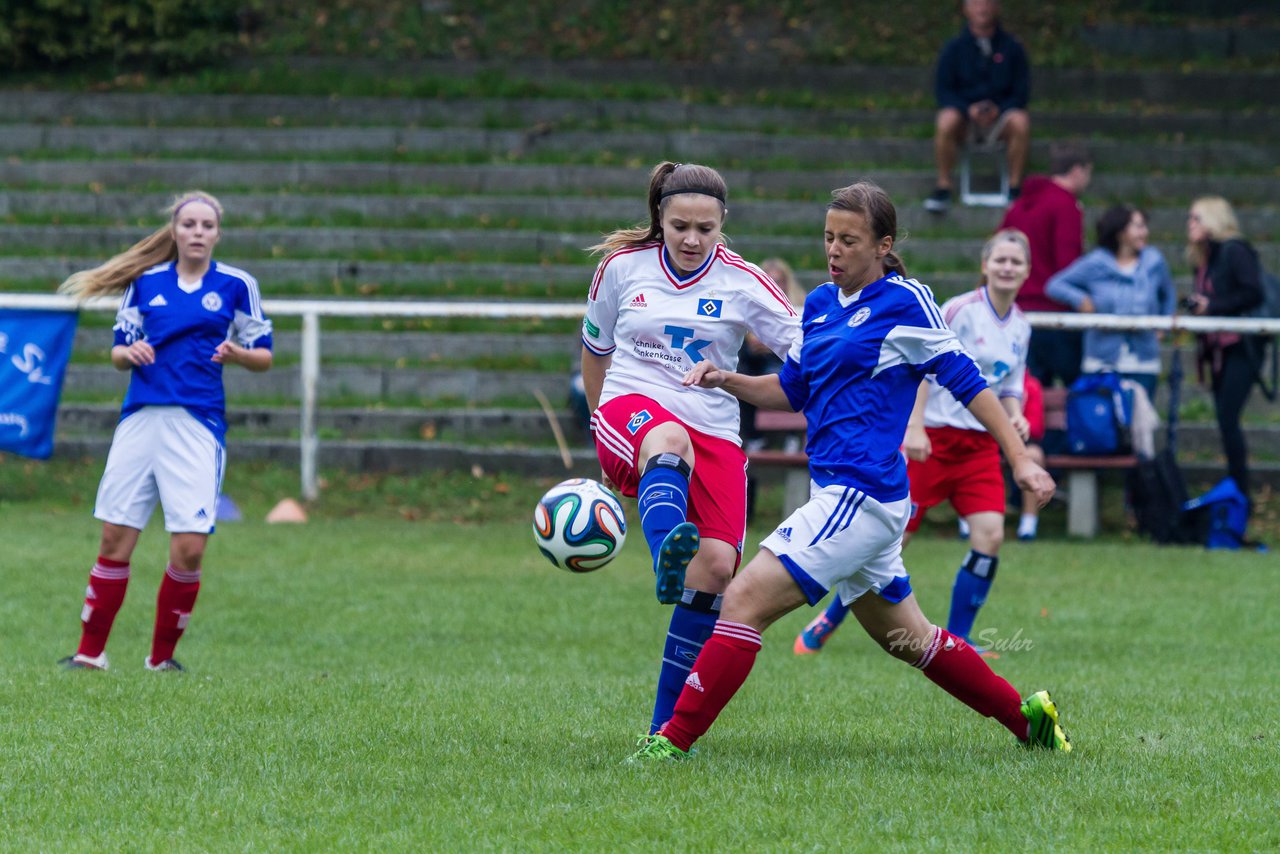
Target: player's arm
x,y
256,359
986,407
125,357
763,391
594,368
916,442
1013,408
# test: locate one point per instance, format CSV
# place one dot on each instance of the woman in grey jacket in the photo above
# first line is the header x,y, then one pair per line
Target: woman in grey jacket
x,y
1122,276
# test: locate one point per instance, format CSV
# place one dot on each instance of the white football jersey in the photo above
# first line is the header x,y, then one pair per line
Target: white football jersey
x,y
657,325
997,344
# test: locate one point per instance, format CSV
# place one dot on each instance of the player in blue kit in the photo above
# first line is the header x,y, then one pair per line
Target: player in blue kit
x,y
182,318
949,456
867,340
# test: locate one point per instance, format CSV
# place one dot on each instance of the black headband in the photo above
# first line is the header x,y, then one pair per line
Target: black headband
x,y
702,191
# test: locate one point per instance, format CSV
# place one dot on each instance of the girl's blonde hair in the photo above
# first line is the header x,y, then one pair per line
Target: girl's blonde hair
x,y
784,277
667,179
115,276
1218,219
1005,235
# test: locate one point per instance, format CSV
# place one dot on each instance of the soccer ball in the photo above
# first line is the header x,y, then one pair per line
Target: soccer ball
x,y
579,525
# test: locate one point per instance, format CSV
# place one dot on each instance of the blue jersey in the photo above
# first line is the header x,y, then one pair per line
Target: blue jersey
x,y
854,372
184,325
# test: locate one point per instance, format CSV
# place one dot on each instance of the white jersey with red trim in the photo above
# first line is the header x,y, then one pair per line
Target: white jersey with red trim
x,y
657,324
997,344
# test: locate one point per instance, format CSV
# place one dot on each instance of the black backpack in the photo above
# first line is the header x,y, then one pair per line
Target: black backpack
x,y
1157,488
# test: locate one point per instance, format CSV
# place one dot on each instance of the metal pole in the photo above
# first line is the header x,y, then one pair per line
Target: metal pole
x,y
310,379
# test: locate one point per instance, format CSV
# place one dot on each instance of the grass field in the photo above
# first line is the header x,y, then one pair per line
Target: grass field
x,y
406,672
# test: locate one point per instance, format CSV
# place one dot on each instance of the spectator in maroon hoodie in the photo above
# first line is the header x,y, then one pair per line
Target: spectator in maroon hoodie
x,y
1048,211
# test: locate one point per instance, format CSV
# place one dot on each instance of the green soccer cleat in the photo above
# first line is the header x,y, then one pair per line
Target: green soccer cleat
x,y
657,748
1043,730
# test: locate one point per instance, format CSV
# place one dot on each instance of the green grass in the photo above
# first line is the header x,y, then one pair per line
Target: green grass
x,y
407,673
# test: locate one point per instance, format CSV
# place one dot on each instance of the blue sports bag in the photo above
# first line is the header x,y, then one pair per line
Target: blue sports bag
x,y
1099,415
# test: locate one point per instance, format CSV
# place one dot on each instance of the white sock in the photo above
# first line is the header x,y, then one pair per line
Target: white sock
x,y
1027,525
964,528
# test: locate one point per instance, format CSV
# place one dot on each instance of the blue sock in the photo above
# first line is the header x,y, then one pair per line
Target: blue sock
x,y
970,591
692,622
836,611
663,498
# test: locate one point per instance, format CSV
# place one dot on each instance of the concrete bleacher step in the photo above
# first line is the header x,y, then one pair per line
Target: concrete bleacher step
x,y
121,205
302,175
540,113
528,426
405,456
1141,89
268,241
713,146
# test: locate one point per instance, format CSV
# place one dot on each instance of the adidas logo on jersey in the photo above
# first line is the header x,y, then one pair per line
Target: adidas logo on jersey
x,y
638,302
158,299
695,683
785,533
200,514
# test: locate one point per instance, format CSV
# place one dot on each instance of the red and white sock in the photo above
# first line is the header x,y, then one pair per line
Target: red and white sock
x,y
956,668
108,581
174,604
721,668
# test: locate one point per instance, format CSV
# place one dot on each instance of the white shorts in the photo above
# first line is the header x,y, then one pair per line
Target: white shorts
x,y
162,453
845,540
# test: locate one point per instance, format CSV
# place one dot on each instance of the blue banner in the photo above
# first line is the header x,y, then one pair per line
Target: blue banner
x,y
34,349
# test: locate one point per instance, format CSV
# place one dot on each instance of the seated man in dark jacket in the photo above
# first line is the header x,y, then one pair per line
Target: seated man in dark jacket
x,y
982,84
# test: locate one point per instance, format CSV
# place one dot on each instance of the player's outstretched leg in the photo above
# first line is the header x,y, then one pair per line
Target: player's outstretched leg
x,y
174,603
955,667
663,501
814,635
108,581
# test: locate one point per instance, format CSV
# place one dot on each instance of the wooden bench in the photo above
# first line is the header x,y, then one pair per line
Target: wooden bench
x,y
1082,472
795,463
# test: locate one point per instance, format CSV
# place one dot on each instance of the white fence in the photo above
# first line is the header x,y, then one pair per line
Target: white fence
x,y
312,310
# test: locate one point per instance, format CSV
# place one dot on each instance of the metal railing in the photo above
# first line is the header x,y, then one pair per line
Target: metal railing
x,y
312,310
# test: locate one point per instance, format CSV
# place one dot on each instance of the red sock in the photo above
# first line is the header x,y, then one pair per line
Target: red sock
x,y
108,581
173,609
721,668
956,668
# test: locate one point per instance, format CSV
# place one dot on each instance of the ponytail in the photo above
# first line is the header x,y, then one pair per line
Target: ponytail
x,y
115,276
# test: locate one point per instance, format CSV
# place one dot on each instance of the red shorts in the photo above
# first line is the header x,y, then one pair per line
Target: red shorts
x,y
718,487
964,468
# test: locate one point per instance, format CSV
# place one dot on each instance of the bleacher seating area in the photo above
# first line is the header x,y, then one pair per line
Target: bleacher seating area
x,y
496,199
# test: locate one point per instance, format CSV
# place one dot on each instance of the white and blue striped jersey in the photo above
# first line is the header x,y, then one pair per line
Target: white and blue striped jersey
x,y
997,344
657,323
854,372
185,324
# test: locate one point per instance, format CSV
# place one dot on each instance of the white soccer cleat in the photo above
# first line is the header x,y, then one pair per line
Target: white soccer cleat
x,y
85,662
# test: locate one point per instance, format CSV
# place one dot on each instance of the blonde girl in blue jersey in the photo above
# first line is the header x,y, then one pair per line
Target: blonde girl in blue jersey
x,y
182,318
